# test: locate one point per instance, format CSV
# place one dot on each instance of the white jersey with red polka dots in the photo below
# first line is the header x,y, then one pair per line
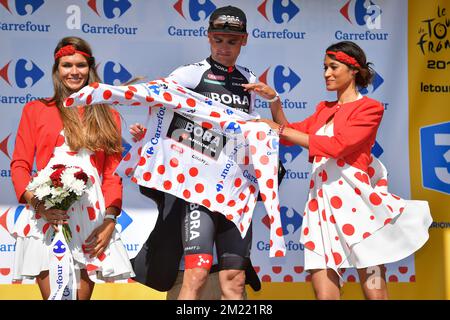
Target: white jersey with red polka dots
x,y
86,214
199,150
351,220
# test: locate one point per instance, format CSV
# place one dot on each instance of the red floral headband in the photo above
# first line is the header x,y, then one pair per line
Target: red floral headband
x,y
68,51
345,58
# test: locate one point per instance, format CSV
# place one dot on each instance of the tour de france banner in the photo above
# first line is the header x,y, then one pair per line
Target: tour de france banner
x,y
429,88
285,49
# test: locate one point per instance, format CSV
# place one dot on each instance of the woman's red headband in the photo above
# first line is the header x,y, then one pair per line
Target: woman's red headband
x,y
68,51
345,58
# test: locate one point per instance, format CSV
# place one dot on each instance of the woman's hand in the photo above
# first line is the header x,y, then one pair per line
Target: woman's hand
x,y
54,216
261,89
99,239
138,131
273,125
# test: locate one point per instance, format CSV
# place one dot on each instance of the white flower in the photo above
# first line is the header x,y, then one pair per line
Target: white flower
x,y
42,191
67,178
78,187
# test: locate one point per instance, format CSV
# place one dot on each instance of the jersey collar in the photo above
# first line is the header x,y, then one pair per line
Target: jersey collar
x,y
218,66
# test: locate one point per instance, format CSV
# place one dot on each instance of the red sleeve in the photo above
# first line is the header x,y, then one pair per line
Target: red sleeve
x,y
347,139
24,151
303,126
112,183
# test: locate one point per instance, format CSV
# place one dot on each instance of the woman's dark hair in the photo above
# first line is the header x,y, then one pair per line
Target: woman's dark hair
x,y
365,72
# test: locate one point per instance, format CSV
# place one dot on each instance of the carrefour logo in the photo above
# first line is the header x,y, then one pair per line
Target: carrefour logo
x,y
291,220
4,146
377,81
115,73
362,13
289,154
110,9
192,10
105,9
22,7
124,220
22,73
435,154
274,10
281,12
283,77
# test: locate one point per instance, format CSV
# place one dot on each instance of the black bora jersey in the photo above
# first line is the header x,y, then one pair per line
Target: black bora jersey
x,y
218,82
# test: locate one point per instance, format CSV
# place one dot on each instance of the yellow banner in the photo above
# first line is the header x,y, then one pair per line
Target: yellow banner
x,y
429,139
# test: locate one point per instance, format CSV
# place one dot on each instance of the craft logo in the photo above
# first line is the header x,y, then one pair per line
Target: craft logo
x,y
280,13
23,74
109,10
115,73
197,137
22,7
377,81
363,14
192,11
435,155
283,80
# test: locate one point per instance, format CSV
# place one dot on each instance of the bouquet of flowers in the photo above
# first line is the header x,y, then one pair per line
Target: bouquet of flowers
x,y
59,186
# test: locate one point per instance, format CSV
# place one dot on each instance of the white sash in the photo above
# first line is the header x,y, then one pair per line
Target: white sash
x,y
63,282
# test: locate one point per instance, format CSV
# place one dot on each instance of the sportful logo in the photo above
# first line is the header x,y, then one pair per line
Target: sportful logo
x,y
23,70
192,9
277,10
290,223
22,6
109,8
280,79
115,72
435,153
363,13
377,81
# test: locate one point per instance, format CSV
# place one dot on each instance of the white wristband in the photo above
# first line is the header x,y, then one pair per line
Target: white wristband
x,y
277,96
111,216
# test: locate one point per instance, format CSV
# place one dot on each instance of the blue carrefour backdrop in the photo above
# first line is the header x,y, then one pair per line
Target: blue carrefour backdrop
x,y
150,38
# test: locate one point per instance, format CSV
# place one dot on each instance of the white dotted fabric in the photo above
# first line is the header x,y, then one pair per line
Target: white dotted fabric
x,y
224,180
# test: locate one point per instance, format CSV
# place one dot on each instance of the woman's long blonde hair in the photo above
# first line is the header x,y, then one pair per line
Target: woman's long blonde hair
x,y
97,129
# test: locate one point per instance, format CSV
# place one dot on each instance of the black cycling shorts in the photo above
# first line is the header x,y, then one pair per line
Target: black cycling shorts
x,y
201,228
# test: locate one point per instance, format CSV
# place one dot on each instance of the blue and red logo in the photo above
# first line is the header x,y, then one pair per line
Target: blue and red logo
x,y
362,13
25,73
280,79
59,249
111,9
274,10
4,146
22,7
290,221
377,81
289,154
115,72
192,8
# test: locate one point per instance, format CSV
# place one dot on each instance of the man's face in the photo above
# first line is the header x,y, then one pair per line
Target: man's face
x,y
225,48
